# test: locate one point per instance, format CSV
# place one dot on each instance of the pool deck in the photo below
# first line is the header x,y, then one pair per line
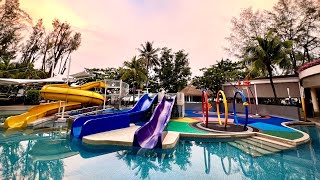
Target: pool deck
x,y
124,137
16,108
272,129
315,120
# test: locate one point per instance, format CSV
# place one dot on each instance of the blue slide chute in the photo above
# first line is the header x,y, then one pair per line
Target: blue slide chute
x,y
87,125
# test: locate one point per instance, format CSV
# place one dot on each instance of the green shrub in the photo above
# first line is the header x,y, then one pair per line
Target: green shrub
x,y
32,97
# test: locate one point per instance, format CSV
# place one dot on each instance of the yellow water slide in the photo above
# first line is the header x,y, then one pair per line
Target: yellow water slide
x,y
74,96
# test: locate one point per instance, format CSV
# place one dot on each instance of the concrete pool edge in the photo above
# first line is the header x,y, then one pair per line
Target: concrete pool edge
x,y
124,137
305,138
103,140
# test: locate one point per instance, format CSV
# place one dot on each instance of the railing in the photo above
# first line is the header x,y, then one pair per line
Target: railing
x,y
309,65
79,111
118,84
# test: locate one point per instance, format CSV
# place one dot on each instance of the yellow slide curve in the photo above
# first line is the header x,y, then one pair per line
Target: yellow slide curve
x,y
75,96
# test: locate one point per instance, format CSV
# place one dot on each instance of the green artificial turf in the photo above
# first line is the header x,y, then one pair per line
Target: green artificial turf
x,y
286,135
182,127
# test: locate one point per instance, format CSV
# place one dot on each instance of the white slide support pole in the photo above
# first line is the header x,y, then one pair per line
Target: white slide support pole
x,y
256,94
68,73
59,109
65,102
63,109
120,93
105,94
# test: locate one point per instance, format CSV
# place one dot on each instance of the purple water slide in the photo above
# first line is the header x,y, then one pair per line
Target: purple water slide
x,y
151,134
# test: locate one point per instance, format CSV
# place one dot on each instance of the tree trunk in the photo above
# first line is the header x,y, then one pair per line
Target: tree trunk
x,y
294,61
44,62
308,55
133,92
147,84
65,61
271,82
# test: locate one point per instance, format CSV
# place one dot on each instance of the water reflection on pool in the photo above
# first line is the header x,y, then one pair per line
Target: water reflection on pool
x,y
53,155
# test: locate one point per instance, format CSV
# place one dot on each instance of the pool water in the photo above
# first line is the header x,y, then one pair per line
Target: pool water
x,y
54,155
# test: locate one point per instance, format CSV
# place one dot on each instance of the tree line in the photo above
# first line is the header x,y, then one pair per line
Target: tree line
x,y
20,50
153,68
268,43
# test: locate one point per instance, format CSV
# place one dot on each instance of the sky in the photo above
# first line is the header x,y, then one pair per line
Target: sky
x,y
112,30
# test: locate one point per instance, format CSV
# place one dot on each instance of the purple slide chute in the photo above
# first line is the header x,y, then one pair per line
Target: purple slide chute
x,y
151,134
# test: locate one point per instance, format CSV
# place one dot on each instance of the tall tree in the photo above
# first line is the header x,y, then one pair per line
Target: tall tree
x,y
299,22
13,21
173,72
64,42
75,42
149,55
181,70
134,71
46,53
269,52
164,72
31,49
249,24
216,75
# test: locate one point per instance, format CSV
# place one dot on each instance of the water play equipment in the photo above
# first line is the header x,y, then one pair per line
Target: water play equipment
x,y
224,100
245,104
73,98
246,85
205,108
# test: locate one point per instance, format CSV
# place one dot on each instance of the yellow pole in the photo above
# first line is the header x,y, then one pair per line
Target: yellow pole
x,y
225,108
303,102
304,108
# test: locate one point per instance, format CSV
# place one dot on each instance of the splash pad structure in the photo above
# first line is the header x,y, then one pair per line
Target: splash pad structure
x,y
211,124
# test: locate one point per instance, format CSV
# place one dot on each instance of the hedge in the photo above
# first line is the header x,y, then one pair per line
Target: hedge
x,y
32,97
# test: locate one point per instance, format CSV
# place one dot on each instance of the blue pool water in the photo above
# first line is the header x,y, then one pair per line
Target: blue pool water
x,y
52,155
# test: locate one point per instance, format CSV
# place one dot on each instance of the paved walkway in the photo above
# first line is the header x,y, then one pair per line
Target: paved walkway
x,y
16,108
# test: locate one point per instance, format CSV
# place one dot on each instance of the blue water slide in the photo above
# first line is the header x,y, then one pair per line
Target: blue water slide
x,y
87,125
151,135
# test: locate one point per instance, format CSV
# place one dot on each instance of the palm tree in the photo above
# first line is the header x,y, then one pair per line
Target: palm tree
x,y
149,54
269,52
134,71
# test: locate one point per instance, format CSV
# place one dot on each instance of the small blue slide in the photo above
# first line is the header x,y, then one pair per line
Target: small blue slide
x,y
87,125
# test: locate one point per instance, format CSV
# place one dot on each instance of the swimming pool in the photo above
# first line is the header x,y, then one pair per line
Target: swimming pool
x,y
52,155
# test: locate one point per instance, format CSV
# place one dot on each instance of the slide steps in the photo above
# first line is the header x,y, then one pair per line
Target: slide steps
x,y
258,146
